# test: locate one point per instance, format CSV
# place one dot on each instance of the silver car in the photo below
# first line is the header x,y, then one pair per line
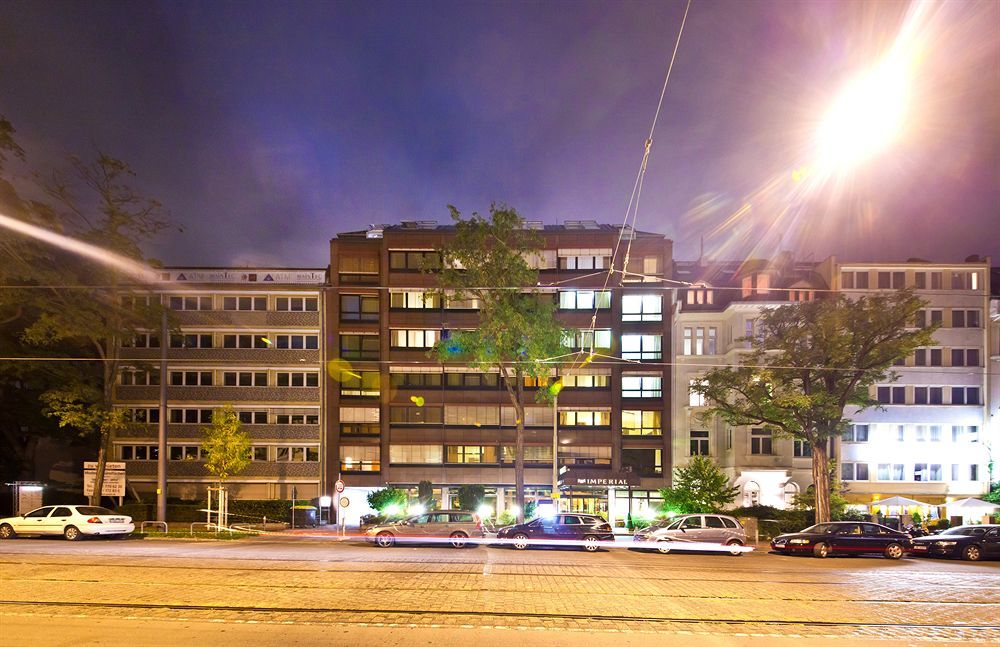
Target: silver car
x,y
454,527
700,531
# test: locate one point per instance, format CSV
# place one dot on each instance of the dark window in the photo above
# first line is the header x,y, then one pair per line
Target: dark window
x,y
358,307
62,511
713,522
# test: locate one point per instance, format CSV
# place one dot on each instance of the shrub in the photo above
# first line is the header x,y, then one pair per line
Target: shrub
x,y
389,496
470,497
938,524
506,519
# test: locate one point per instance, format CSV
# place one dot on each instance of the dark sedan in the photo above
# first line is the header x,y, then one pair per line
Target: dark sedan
x,y
968,542
586,530
844,538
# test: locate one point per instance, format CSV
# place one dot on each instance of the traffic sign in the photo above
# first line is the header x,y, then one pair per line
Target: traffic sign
x,y
339,486
344,502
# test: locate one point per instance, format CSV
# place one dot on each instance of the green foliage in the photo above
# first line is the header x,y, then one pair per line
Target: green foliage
x,y
917,518
425,495
993,496
774,521
517,333
81,311
529,509
389,496
838,502
699,487
226,445
809,361
506,519
938,524
470,497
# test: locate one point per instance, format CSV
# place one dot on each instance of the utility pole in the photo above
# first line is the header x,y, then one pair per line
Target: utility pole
x,y
555,446
161,459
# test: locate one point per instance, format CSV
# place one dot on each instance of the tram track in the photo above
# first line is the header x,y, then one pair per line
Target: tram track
x,y
492,615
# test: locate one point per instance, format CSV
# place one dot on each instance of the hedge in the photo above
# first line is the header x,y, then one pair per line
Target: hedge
x,y
240,510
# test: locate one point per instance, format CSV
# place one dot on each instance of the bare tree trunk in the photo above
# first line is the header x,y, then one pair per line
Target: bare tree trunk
x,y
102,458
821,481
519,446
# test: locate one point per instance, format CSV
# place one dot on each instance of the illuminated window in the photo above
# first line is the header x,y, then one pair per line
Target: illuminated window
x,y
414,338
641,423
695,399
363,383
584,299
584,418
642,386
359,458
414,300
642,347
416,454
642,307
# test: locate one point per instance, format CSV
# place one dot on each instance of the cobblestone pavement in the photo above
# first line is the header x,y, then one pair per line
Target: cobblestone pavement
x,y
326,583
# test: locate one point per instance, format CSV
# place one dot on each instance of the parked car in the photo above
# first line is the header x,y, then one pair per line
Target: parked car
x,y
693,532
968,542
456,527
844,538
586,530
70,521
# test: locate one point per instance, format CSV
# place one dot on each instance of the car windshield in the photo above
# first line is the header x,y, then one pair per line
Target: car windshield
x,y
91,509
964,530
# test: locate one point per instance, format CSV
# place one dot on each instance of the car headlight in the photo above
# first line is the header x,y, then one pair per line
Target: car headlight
x,y
799,541
945,544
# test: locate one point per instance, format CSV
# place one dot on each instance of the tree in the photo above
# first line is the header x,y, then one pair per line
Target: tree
x,y
425,495
518,335
699,487
226,445
383,500
808,363
63,299
470,497
838,502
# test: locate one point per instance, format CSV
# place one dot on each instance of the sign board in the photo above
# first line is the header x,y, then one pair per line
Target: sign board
x,y
598,479
339,486
27,498
344,502
114,479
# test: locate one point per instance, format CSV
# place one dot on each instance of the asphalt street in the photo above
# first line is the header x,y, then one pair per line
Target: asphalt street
x,y
311,590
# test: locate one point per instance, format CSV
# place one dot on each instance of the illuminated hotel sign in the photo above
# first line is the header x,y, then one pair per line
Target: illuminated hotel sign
x,y
617,479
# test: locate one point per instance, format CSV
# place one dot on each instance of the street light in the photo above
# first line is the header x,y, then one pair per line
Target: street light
x,y
557,386
867,116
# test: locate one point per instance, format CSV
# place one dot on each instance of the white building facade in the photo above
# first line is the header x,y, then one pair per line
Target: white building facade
x,y
929,439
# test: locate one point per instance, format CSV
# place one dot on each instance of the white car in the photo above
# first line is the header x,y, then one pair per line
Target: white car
x,y
70,521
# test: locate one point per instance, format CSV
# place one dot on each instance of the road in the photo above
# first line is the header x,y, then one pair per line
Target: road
x,y
309,590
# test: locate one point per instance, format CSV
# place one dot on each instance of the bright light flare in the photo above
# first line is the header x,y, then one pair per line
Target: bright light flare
x,y
135,269
416,509
867,117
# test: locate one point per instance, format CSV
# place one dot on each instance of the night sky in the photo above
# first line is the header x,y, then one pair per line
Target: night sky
x,y
266,128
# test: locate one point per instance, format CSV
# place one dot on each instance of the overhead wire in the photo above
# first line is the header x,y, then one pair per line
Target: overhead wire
x,y
632,209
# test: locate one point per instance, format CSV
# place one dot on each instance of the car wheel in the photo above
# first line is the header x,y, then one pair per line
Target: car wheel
x,y
822,549
385,539
591,544
71,533
893,551
458,539
520,541
972,553
734,548
7,531
663,547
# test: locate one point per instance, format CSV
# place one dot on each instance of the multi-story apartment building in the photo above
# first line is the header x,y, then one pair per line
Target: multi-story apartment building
x,y
398,416
711,318
930,439
992,438
250,338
